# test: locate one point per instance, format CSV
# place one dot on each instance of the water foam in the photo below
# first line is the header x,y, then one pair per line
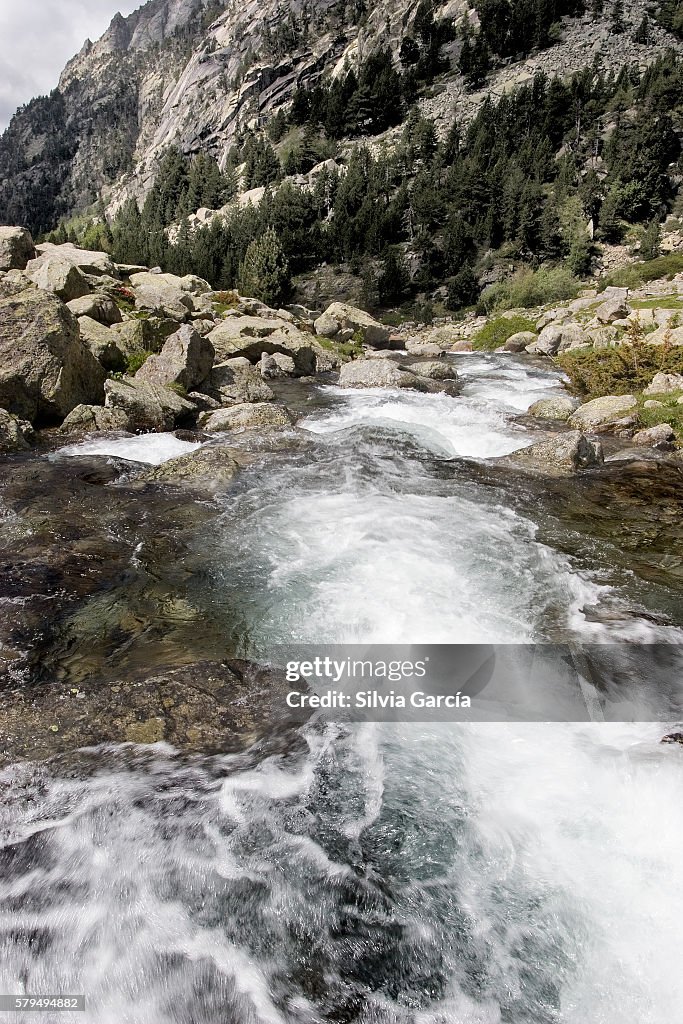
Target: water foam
x,y
152,449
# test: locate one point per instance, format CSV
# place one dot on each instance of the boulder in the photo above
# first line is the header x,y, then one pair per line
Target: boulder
x,y
54,274
98,307
277,365
147,406
87,261
186,359
16,248
251,336
162,294
15,435
463,345
560,455
664,383
94,418
661,436
614,308
45,367
130,336
377,373
520,341
326,326
558,338
247,417
209,469
417,347
346,316
609,414
236,382
559,407
103,343
441,369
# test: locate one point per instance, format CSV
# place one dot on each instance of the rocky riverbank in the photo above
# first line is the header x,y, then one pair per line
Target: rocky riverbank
x,y
110,631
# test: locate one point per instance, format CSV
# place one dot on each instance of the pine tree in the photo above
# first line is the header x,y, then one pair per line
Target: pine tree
x,y
618,24
650,242
394,280
264,272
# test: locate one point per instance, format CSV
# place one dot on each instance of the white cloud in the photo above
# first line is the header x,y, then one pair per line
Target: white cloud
x,y
37,38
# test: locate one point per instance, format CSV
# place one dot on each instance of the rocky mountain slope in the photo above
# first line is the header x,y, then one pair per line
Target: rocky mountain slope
x,y
196,73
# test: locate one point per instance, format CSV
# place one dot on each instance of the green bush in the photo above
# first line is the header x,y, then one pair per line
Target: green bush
x,y
669,412
622,370
529,288
496,332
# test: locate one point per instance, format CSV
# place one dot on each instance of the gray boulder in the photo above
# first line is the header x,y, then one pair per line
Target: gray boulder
x,y
209,469
277,365
98,307
103,343
664,383
16,248
377,373
85,418
560,455
147,406
236,382
615,308
251,336
45,367
610,414
419,347
559,407
661,436
353,319
15,435
54,274
87,261
248,417
434,369
519,342
558,338
186,360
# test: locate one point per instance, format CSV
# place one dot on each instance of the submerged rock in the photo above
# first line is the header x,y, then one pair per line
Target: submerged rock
x,y
207,707
209,469
559,455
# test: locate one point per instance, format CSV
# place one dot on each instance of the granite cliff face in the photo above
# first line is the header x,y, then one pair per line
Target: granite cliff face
x,y
196,72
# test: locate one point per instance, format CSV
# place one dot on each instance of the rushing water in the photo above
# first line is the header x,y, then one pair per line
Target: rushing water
x,y
451,874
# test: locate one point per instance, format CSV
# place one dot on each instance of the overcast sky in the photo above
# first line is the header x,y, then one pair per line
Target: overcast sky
x,y
37,37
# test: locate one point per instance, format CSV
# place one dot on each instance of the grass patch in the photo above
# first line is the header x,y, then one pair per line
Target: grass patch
x,y
530,288
623,370
496,332
640,273
670,412
135,361
663,302
347,349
